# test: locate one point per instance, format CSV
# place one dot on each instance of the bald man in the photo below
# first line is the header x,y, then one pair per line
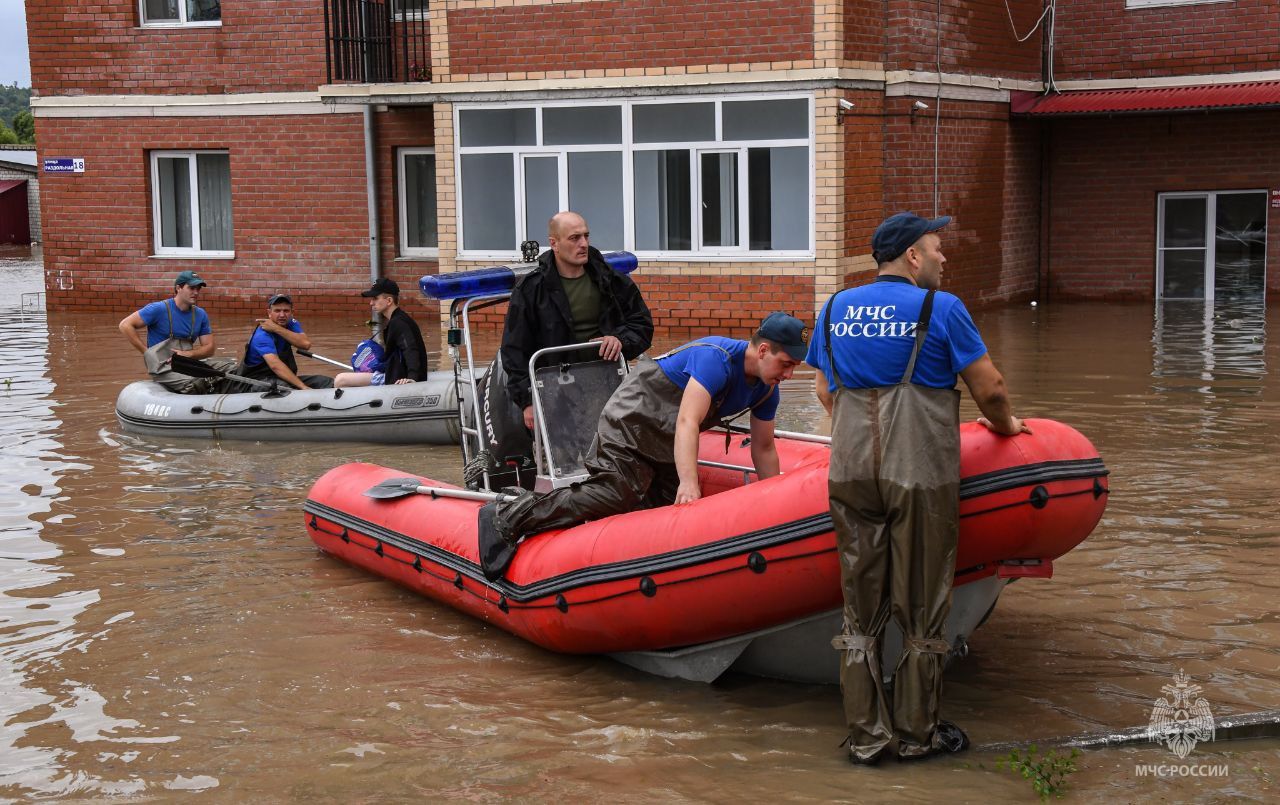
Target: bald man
x,y
573,297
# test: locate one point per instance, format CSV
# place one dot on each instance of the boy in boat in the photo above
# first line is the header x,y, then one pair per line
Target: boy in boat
x,y
176,326
405,354
269,353
888,354
646,449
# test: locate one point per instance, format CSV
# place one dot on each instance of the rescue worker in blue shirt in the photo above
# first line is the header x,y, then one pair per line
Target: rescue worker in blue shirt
x,y
646,449
176,326
888,354
269,353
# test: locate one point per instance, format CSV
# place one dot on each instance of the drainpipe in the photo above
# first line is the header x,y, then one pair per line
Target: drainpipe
x,y
371,186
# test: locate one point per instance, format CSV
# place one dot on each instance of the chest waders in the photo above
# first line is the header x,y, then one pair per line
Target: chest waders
x,y
894,486
631,462
156,357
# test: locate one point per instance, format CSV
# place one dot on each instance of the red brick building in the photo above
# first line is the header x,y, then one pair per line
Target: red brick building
x,y
744,149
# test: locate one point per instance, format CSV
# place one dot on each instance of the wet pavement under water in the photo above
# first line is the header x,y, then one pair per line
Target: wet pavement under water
x,y
167,629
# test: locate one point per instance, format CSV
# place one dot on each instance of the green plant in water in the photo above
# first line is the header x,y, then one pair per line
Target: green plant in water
x,y
1047,773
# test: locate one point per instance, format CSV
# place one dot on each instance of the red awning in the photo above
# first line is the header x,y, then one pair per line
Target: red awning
x,y
1147,100
8,184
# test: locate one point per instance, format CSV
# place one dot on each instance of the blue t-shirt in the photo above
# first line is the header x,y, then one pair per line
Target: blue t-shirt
x,y
873,329
722,375
189,325
265,343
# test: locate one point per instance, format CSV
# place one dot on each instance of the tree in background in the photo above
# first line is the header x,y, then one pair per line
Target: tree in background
x,y
24,125
7,137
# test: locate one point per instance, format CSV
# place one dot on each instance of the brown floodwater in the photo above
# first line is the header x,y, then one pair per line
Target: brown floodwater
x,y
167,628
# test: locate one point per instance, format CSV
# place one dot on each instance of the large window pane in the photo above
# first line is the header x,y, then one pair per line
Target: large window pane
x,y
204,10
719,199
1184,221
490,127
175,201
541,195
778,198
1183,274
595,191
1240,246
582,125
766,120
420,201
662,213
160,11
673,122
213,188
488,202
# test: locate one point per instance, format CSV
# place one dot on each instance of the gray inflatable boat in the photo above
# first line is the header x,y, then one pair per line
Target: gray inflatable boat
x,y
425,412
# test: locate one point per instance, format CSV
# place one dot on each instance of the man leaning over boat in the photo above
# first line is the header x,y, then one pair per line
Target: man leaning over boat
x,y
269,353
645,453
177,326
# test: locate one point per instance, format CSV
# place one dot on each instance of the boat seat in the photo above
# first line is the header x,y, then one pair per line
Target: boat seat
x,y
572,395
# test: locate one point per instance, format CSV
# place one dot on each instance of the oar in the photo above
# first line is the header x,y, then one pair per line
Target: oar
x,y
393,488
194,368
495,553
338,364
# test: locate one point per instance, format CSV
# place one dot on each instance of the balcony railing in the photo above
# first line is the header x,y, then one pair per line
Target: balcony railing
x,y
377,41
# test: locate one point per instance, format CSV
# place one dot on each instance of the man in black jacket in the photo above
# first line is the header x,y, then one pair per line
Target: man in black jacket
x,y
405,358
572,297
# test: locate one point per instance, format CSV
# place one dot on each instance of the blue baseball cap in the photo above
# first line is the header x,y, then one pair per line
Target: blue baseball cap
x,y
897,232
189,278
787,332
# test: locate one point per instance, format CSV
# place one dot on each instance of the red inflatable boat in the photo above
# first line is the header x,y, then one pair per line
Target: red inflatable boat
x,y
745,560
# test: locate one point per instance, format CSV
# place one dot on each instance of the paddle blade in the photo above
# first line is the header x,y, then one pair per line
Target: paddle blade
x,y
393,488
194,368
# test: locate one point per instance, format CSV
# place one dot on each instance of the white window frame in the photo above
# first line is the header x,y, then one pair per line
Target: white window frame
x,y
1211,240
628,149
1128,4
402,202
180,22
398,15
194,250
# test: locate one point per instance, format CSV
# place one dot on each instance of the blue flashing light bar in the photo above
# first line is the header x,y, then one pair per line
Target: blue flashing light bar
x,y
500,279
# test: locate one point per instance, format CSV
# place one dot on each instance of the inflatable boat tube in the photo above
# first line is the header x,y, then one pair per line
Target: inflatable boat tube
x,y
425,412
744,558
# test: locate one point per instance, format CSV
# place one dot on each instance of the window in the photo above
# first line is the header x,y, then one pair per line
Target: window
x,y
417,186
410,9
181,12
1211,245
676,177
1149,3
191,202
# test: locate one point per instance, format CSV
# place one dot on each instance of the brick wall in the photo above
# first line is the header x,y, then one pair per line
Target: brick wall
x,y
404,127
628,34
864,178
988,181
864,33
977,38
298,207
1105,175
97,47
1102,39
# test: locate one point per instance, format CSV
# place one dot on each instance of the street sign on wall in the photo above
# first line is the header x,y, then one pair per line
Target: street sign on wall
x,y
64,165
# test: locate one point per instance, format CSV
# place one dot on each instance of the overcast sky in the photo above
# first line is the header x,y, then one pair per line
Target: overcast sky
x,y
14,64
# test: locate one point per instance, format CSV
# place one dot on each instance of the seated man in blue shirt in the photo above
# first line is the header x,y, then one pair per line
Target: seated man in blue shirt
x,y
646,449
269,353
176,326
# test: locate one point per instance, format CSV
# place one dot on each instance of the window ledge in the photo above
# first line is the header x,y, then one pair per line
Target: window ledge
x,y
195,256
162,26
417,258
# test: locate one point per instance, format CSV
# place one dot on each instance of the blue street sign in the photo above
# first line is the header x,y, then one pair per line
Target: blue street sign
x,y
64,165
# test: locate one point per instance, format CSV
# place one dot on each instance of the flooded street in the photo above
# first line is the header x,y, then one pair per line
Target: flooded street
x,y
166,626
